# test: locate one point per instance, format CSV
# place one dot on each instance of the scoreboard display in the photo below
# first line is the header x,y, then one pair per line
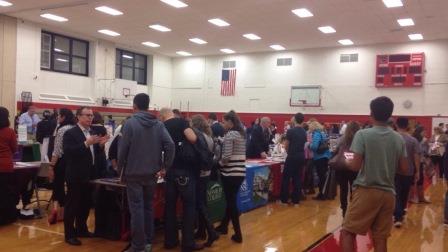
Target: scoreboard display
x,y
400,70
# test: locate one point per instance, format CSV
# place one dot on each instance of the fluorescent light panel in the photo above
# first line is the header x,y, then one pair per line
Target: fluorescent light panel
x,y
109,10
218,22
327,29
251,36
175,3
415,36
127,56
198,41
393,3
302,13
183,53
62,60
5,3
405,22
150,44
58,50
109,32
54,17
226,50
345,42
159,27
277,47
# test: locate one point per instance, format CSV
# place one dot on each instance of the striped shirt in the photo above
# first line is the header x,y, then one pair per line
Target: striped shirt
x,y
233,158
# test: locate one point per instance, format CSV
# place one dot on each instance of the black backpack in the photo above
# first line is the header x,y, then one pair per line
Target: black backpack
x,y
205,157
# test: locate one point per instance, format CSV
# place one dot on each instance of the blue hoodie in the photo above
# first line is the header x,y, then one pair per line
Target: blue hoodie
x,y
318,137
144,138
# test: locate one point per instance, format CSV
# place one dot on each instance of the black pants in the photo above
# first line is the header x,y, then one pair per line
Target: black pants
x,y
321,168
438,160
231,185
8,198
183,186
292,172
59,182
308,183
421,175
402,187
345,180
204,223
77,208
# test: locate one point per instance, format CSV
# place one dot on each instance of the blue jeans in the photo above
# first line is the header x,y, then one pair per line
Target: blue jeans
x,y
140,197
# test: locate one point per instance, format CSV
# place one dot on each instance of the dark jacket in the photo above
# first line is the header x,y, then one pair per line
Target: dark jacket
x,y
100,154
217,129
79,160
259,142
144,138
45,128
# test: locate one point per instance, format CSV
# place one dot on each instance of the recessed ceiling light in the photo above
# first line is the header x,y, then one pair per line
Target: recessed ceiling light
x,y
5,3
159,27
109,32
251,36
198,41
415,36
58,50
303,13
393,3
277,47
61,60
127,56
345,42
218,22
405,22
183,53
226,50
175,3
327,29
109,10
150,44
54,17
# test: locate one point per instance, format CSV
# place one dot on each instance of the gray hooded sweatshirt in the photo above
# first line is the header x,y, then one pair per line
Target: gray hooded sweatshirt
x,y
144,138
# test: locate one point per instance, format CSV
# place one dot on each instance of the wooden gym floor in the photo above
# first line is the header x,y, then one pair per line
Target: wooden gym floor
x,y
270,228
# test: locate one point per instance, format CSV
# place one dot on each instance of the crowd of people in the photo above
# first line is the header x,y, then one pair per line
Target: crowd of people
x,y
380,167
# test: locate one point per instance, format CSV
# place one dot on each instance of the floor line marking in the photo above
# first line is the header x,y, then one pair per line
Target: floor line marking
x,y
37,228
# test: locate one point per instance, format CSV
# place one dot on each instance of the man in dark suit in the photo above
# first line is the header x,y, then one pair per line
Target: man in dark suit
x,y
217,128
78,145
259,142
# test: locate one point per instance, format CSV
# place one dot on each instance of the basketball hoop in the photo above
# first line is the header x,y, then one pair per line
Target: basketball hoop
x,y
303,102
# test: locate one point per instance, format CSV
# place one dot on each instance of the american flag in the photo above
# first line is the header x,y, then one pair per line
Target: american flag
x,y
228,82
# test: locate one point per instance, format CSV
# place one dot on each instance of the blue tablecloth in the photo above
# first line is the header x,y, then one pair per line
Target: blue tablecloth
x,y
254,191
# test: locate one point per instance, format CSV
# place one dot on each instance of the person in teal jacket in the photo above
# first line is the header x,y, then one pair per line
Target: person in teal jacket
x,y
320,155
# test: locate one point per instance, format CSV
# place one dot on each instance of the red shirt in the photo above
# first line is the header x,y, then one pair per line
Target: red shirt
x,y
8,146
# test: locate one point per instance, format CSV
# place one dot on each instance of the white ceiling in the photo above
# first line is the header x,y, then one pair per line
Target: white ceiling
x,y
362,21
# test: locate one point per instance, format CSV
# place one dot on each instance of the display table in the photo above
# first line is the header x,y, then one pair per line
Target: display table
x,y
276,169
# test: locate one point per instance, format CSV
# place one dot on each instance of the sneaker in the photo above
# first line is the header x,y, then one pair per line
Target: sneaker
x,y
296,205
398,224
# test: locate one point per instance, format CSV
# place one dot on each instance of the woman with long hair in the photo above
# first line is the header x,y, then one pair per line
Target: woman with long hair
x,y
66,121
420,135
346,177
8,192
233,171
199,123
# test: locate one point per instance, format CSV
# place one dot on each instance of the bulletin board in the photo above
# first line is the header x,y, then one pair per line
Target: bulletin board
x,y
305,96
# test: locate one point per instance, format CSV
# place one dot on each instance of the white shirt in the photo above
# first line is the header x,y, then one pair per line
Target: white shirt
x,y
87,134
26,119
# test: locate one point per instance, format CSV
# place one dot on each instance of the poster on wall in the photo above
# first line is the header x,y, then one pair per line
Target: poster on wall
x,y
400,70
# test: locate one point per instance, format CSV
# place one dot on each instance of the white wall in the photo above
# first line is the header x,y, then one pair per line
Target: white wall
x,y
261,86
99,83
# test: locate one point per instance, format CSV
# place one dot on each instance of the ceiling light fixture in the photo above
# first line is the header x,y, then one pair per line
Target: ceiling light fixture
x,y
183,53
198,41
159,27
345,42
302,13
54,17
109,10
127,56
415,36
58,50
405,22
393,3
109,32
5,3
61,60
277,47
327,29
218,22
150,44
251,36
175,3
226,50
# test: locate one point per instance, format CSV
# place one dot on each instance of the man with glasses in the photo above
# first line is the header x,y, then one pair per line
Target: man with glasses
x,y
78,145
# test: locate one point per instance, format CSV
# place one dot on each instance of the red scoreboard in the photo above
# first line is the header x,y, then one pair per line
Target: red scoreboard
x,y
400,70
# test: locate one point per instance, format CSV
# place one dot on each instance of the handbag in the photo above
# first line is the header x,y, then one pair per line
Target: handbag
x,y
324,144
337,162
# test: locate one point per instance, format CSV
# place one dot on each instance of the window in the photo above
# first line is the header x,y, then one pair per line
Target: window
x,y
284,61
229,64
64,54
130,66
345,58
